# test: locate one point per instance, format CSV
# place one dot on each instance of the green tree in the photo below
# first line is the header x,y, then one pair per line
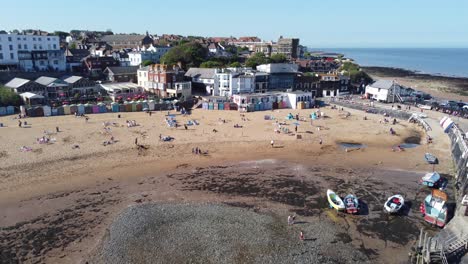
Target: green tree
x,y
190,54
278,58
211,64
256,59
355,72
72,45
235,64
7,97
146,62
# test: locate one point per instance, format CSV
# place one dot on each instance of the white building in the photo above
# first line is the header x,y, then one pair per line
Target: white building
x,y
384,91
152,53
278,68
202,78
143,79
230,81
31,52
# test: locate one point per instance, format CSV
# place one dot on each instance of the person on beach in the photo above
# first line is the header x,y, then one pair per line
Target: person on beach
x,y
301,236
160,136
20,124
57,129
295,129
320,141
272,143
136,141
290,220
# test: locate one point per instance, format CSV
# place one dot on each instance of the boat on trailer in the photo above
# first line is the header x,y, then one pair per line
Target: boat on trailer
x,y
431,159
434,208
335,201
394,204
351,203
433,180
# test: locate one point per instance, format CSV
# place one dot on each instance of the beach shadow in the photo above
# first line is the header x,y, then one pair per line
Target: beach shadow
x,y
363,208
406,209
300,222
310,239
309,132
278,147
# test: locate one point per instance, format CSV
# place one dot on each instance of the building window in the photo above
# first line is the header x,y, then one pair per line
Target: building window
x,y
0,47
35,46
11,47
25,46
48,39
9,38
40,47
19,46
56,62
1,56
39,39
34,39
55,46
12,56
41,63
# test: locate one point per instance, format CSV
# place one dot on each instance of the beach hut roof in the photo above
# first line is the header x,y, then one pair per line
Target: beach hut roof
x,y
16,82
29,95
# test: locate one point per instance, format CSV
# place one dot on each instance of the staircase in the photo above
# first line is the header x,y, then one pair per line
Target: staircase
x,y
399,98
200,102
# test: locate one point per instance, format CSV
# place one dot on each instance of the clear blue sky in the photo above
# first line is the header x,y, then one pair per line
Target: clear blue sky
x,y
318,23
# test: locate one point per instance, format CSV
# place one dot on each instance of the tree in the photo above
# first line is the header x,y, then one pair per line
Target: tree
x,y
146,62
211,64
8,97
235,64
278,58
256,59
72,45
61,34
189,54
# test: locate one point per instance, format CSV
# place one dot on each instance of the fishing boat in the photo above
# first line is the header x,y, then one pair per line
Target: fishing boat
x,y
433,180
334,200
394,203
351,203
431,159
434,208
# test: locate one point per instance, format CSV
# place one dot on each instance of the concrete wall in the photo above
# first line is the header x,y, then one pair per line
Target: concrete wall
x,y
459,152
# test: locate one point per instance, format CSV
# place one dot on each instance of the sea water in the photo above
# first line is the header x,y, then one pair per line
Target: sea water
x,y
436,61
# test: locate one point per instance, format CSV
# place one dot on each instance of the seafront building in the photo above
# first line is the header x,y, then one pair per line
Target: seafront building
x,y
35,51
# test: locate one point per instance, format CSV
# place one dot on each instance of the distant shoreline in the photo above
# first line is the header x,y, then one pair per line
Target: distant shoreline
x,y
400,72
444,87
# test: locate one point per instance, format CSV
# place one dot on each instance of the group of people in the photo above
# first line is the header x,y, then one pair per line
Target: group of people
x,y
197,151
131,123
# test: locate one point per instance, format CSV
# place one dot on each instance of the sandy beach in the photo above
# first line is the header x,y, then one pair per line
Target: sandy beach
x,y
58,199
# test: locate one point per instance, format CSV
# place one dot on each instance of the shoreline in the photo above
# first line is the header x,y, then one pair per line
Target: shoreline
x,y
441,87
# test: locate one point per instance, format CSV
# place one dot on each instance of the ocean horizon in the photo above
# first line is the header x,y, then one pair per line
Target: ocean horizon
x,y
449,62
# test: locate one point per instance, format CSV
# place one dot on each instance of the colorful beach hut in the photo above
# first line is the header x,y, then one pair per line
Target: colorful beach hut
x,y
73,109
60,110
66,110
102,108
54,112
145,105
38,111
95,109
47,110
10,110
151,105
115,107
128,107
138,106
121,108
80,109
3,111
88,108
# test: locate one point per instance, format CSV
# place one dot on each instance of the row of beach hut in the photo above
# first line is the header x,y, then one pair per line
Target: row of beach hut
x,y
219,106
7,110
86,109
